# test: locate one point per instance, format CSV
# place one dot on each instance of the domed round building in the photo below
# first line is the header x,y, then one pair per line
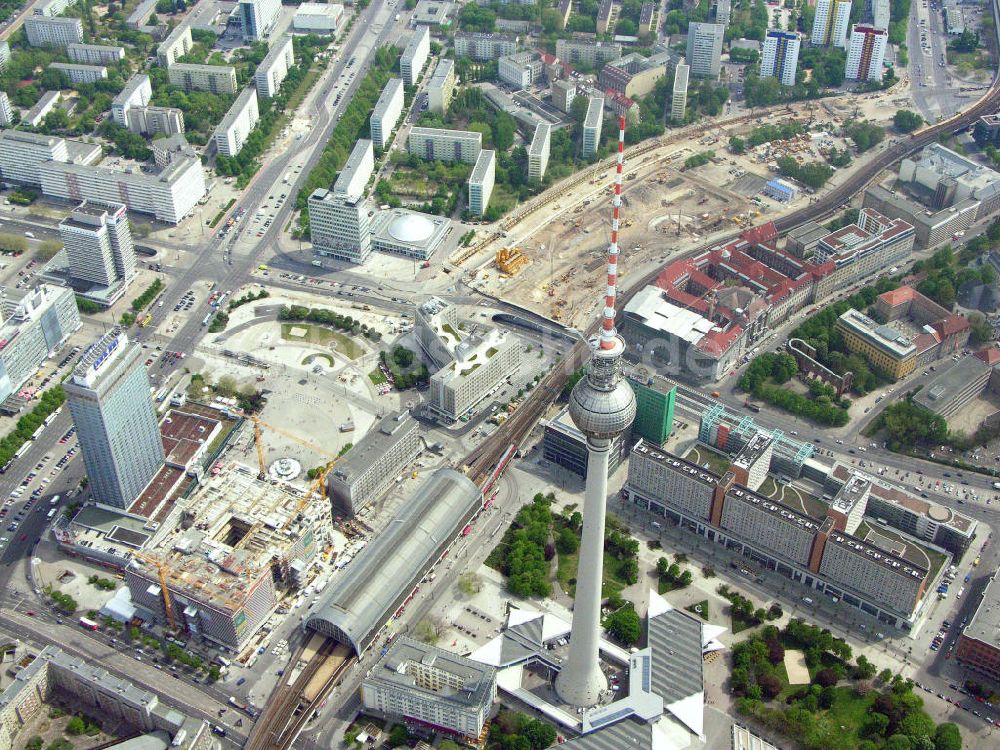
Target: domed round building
x,y
408,233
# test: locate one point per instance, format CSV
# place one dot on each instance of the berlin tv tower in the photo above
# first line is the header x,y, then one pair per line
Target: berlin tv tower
x,y
602,406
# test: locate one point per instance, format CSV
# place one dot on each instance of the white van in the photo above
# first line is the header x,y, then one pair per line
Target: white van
x,y
51,513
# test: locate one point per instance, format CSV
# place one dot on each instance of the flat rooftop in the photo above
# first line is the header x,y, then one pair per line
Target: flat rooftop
x,y
184,434
485,163
899,565
385,98
780,510
595,109
675,463
883,336
159,490
392,428
951,381
984,625
753,450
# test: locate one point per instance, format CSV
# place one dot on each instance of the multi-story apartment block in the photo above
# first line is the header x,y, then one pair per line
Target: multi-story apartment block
x,y
21,154
169,195
357,170
563,94
520,70
592,127
4,54
6,110
50,8
866,53
415,55
219,79
704,48
575,51
177,44
883,346
99,244
723,11
445,145
109,397
274,67
137,93
238,123
258,17
153,120
648,18
441,87
481,181
538,151
386,114
781,56
816,552
95,54
678,100
633,76
470,365
432,687
36,324
141,15
872,244
79,73
339,225
604,11
371,467
478,46
831,22
41,31
979,645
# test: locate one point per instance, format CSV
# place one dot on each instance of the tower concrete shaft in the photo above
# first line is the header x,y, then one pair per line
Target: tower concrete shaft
x,y
602,406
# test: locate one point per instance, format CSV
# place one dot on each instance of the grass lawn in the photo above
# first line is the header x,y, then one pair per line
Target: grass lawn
x,y
313,358
699,608
323,336
847,715
738,623
566,574
377,377
717,462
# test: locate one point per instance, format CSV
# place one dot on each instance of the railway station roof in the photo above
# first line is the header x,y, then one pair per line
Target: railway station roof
x,y
379,579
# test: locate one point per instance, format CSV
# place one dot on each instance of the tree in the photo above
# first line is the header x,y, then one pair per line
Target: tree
x,y
76,726
898,742
48,249
398,736
907,121
629,571
567,542
34,743
876,726
826,678
624,625
947,737
917,724
980,330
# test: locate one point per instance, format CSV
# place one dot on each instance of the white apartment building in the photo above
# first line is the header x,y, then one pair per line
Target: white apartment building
x,y
339,226
41,31
481,181
219,79
141,15
238,123
95,54
440,688
168,196
371,467
317,18
679,98
415,55
36,324
441,87
358,169
654,475
6,110
575,51
592,127
520,70
137,93
831,22
51,8
445,145
538,151
153,120
258,18
274,67
866,53
780,57
4,54
176,45
99,244
78,73
386,114
481,47
704,48
22,154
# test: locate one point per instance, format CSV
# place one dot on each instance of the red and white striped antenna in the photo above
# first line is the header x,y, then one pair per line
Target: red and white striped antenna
x,y
608,334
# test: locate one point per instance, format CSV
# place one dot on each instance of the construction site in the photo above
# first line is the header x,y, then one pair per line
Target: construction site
x,y
242,545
